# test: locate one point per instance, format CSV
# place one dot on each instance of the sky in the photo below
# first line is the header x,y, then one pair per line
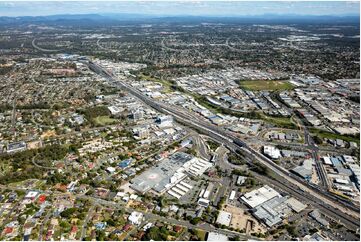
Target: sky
x,y
173,8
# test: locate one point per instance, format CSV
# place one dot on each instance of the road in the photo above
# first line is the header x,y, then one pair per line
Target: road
x,y
289,189
345,212
45,221
202,147
314,151
89,215
41,49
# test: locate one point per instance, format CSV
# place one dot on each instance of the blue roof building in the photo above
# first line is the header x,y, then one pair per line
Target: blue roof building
x,y
100,225
125,163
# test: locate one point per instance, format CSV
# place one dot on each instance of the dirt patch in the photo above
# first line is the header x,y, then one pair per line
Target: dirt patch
x,y
244,221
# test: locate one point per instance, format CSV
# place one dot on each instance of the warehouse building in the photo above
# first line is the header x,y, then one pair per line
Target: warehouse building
x,y
305,170
259,196
270,207
276,209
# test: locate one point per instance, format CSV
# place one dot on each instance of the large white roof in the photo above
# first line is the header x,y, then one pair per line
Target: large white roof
x,y
224,218
259,196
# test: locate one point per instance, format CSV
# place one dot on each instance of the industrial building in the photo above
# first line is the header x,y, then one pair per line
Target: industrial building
x,y
316,215
224,218
305,170
164,121
259,196
269,206
276,209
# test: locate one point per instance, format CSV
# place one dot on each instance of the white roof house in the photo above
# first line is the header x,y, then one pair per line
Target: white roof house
x,y
31,195
135,218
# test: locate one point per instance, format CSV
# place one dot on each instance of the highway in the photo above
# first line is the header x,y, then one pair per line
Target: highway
x,y
41,49
314,151
289,189
340,210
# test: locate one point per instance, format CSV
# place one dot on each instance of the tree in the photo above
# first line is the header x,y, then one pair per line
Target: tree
x,y
235,238
153,234
195,221
68,212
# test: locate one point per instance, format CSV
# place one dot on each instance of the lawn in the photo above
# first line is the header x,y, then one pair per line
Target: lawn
x,y
104,120
259,85
201,234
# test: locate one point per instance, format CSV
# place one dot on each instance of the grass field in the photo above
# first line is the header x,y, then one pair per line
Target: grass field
x,y
104,120
329,135
281,122
259,85
201,234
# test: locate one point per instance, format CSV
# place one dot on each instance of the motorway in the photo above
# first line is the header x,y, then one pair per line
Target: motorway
x,y
41,49
314,151
346,213
304,197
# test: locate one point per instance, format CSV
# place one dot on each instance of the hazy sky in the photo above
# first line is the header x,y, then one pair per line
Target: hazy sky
x,y
230,8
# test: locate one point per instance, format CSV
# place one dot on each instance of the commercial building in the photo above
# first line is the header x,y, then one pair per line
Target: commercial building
x,y
115,110
141,132
232,195
16,147
241,180
136,115
315,214
271,152
169,172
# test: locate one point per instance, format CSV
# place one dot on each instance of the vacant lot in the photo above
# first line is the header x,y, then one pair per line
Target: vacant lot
x,y
258,85
240,219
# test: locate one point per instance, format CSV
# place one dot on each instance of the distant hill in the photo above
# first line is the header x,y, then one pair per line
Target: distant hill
x,y
80,19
